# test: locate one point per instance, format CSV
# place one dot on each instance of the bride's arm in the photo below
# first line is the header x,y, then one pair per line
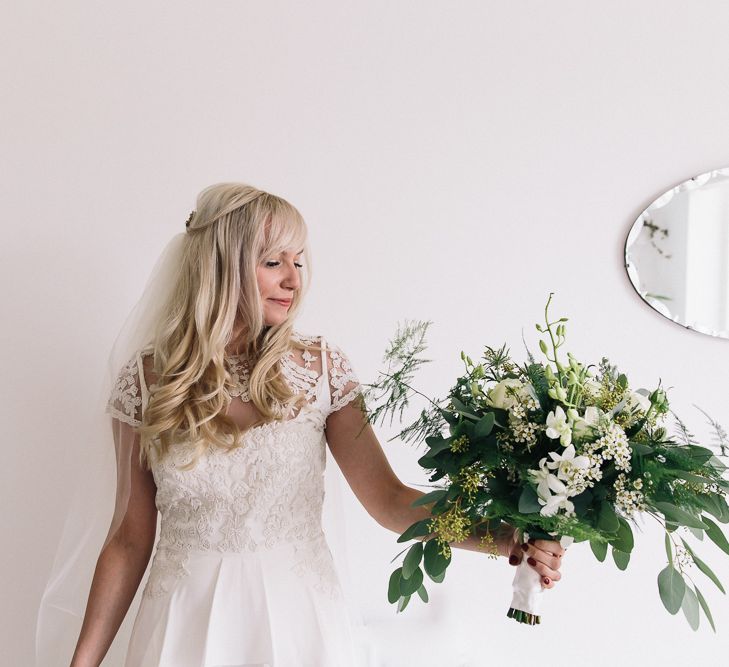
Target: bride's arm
x,y
120,566
389,501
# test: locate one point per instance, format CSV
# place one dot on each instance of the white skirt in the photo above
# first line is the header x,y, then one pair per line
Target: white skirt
x,y
264,608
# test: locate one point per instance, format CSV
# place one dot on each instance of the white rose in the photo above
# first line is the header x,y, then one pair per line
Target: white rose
x,y
500,396
637,400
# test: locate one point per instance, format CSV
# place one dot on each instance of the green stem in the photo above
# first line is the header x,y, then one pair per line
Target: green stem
x,y
405,384
551,337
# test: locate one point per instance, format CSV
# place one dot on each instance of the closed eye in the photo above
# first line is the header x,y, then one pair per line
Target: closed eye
x,y
274,263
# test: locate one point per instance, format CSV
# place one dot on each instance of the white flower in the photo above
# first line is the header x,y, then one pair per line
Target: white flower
x,y
540,478
501,396
581,425
559,500
566,464
593,387
557,426
639,400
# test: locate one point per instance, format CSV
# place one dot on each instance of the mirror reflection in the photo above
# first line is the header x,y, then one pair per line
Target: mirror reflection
x,y
677,253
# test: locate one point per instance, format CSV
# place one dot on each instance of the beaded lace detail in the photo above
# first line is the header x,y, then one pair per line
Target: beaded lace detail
x,y
266,494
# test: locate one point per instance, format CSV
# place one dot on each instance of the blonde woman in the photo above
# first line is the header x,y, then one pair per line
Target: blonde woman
x,y
221,421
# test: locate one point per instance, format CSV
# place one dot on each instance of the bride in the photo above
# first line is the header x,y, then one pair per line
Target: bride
x,y
221,413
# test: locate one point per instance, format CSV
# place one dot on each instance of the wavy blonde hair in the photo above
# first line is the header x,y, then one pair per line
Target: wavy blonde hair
x,y
233,228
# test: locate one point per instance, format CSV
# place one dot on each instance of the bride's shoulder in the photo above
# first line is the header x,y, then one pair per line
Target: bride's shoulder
x,y
308,340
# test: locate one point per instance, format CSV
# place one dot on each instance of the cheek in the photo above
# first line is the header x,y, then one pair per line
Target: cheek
x,y
263,281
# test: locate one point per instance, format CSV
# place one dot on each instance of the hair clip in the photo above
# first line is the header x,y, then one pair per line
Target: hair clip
x,y
189,219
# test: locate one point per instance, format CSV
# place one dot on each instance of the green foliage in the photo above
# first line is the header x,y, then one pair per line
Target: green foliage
x,y
487,441
671,588
412,560
690,607
621,559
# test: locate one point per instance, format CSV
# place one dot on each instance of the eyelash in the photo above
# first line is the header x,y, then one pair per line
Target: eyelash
x,y
273,264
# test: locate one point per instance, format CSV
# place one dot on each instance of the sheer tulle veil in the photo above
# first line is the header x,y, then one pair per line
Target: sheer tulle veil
x,y
101,491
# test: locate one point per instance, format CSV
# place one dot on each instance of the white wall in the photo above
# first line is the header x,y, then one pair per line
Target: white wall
x,y
454,161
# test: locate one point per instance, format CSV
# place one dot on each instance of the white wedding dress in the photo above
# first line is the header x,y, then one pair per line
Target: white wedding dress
x,y
242,574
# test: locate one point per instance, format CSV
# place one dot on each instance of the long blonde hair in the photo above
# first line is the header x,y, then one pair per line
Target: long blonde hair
x,y
233,228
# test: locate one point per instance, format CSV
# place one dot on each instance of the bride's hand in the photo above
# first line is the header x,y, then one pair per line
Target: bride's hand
x,y
545,556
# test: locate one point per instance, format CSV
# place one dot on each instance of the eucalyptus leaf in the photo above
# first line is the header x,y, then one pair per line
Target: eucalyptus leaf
x,y
599,549
485,425
705,607
451,418
528,501
703,567
403,603
621,559
715,535
393,588
423,593
690,477
679,516
690,608
641,449
418,529
582,502
699,455
623,540
437,578
717,463
437,444
607,520
410,585
669,551
460,408
427,462
428,498
435,563
698,534
671,587
412,560
715,505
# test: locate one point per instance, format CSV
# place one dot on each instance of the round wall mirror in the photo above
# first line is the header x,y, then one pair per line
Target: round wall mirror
x,y
677,254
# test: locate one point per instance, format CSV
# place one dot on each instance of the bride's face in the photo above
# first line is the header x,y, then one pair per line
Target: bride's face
x,y
278,280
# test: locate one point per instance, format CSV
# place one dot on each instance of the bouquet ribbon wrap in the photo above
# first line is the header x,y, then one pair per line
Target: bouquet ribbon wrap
x,y
528,592
527,598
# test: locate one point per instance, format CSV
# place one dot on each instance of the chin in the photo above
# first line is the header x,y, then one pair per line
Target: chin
x,y
274,321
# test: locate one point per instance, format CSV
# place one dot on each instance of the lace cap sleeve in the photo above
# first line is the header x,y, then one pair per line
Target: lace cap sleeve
x,y
344,385
128,395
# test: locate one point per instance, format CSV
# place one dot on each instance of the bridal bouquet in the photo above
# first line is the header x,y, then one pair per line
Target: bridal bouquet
x,y
561,451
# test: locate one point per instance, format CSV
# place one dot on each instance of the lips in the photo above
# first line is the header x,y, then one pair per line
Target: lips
x,y
283,302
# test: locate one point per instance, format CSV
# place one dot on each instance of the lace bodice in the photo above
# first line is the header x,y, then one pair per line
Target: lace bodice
x,y
265,494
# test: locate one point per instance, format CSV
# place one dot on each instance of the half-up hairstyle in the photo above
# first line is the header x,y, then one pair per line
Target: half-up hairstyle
x,y
233,228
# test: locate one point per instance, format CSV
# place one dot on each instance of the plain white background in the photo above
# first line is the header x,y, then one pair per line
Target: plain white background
x,y
454,161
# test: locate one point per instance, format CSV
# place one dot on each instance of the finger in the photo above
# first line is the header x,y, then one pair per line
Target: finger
x,y
543,558
544,571
516,555
550,546
547,582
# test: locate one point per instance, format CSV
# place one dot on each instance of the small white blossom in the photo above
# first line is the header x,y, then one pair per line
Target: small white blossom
x,y
541,479
560,500
557,426
571,469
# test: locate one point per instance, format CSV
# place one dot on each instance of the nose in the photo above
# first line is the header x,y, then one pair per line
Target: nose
x,y
292,280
